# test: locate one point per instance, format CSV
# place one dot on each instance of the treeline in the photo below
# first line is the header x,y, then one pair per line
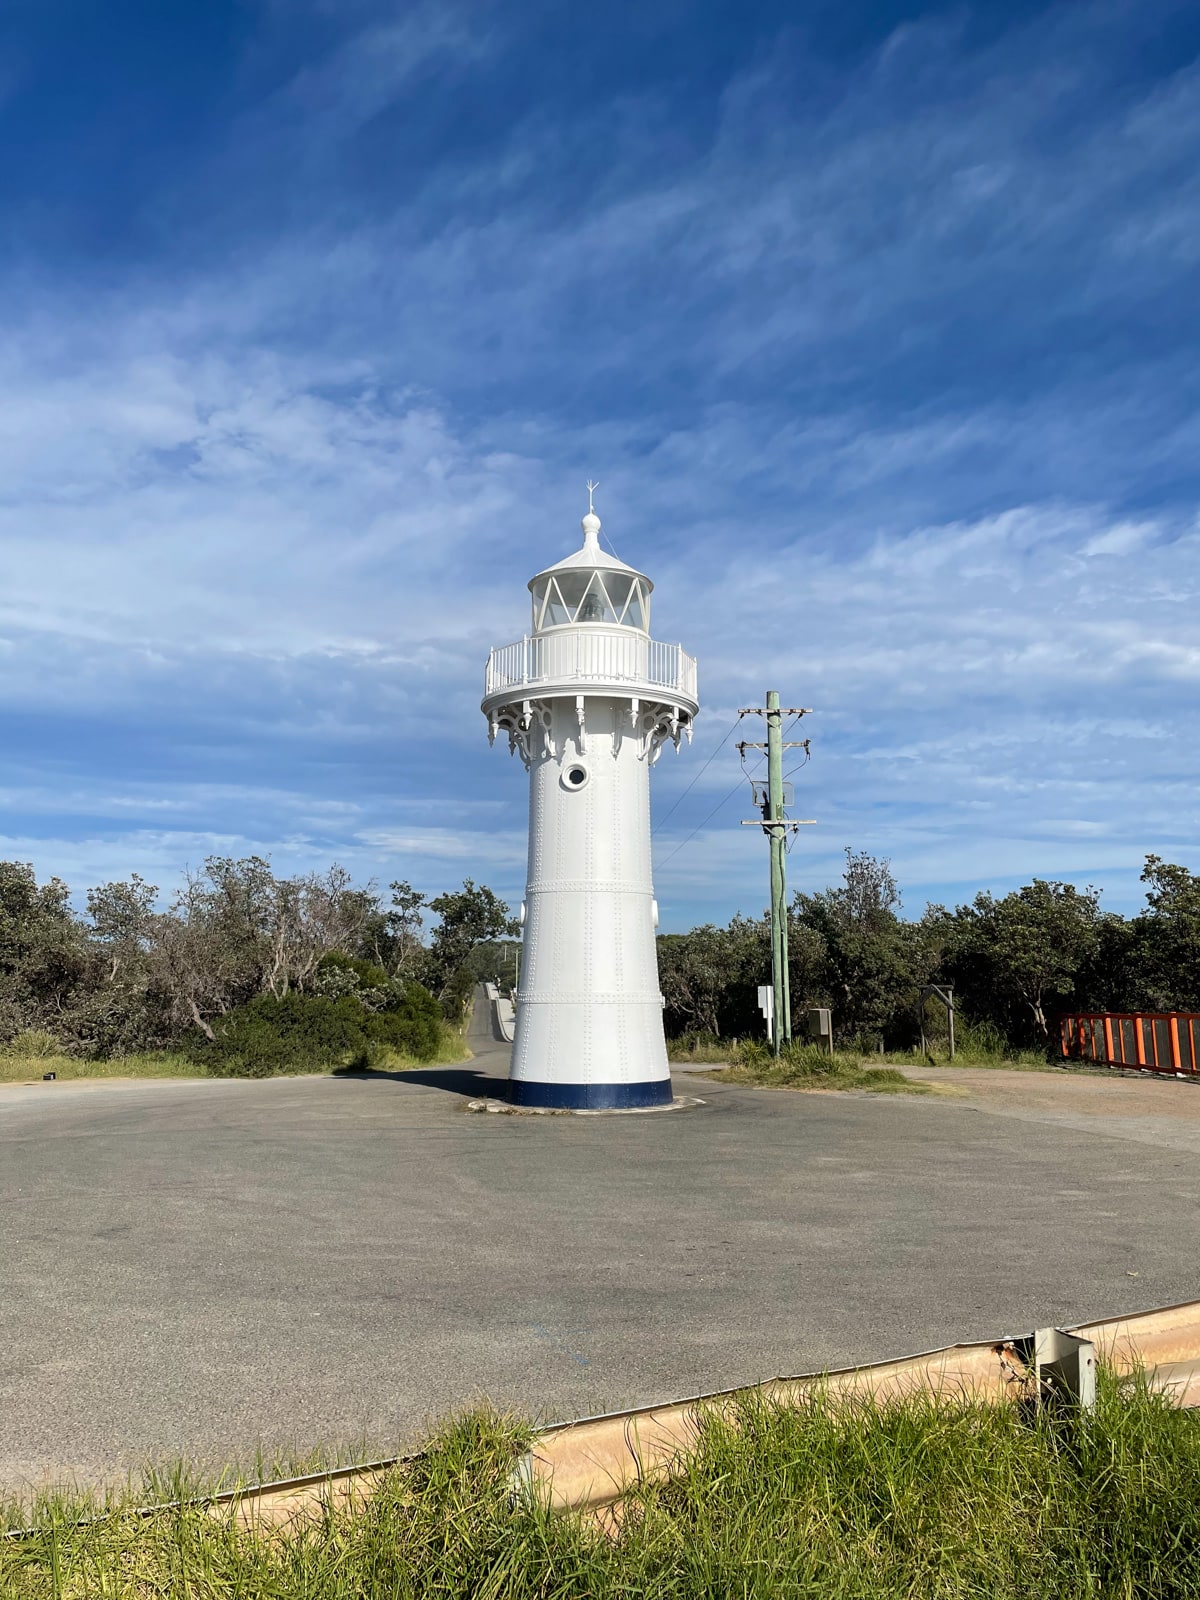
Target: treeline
x,y
1016,961
245,970
251,972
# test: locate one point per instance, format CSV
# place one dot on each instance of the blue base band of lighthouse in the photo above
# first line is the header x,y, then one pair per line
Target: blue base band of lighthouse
x,y
590,1096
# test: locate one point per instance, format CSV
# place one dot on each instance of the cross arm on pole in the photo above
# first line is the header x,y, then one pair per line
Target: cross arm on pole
x,y
789,822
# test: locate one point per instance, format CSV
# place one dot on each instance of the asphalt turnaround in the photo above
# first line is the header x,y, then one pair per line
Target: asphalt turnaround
x,y
205,1268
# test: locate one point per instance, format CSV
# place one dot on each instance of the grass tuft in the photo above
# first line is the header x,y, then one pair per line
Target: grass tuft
x,y
806,1066
701,1049
939,1056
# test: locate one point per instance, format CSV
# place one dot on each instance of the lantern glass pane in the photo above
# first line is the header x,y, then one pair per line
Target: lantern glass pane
x,y
594,606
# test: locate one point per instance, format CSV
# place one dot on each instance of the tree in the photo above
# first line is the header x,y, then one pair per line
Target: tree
x,y
811,976
118,1010
236,930
309,917
123,921
1110,978
43,952
710,977
393,938
495,961
1011,956
1165,939
874,962
696,971
218,949
467,917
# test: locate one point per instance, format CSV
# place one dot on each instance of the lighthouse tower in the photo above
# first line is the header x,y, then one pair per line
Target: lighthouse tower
x,y
588,700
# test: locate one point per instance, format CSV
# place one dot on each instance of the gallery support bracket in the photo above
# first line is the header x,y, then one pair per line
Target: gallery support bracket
x,y
653,723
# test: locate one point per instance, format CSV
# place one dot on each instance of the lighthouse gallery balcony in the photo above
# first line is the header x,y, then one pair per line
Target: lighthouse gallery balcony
x,y
582,659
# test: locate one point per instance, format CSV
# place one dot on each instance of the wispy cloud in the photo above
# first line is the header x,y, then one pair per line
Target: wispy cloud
x,y
886,366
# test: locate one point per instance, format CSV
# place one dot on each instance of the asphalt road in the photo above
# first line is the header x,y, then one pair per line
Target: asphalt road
x,y
201,1268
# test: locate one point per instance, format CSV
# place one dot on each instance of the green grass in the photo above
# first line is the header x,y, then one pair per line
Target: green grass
x,y
976,1045
939,1056
156,1064
862,1501
31,1056
804,1066
701,1051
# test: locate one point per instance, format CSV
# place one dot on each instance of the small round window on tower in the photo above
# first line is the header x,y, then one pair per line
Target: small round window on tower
x,y
574,775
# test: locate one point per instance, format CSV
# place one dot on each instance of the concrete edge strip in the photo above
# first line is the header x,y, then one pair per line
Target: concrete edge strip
x,y
588,1463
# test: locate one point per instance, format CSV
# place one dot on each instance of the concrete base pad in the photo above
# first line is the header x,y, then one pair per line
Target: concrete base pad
x,y
504,1108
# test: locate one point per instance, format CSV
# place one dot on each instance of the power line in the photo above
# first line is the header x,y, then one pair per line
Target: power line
x,y
800,764
742,779
724,801
720,803
696,779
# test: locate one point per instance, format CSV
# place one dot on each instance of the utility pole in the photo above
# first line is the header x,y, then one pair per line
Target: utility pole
x,y
777,827
779,927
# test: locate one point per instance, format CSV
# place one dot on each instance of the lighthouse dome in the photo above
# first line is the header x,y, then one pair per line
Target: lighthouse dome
x,y
591,586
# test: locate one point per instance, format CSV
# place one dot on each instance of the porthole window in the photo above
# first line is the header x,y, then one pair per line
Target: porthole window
x,y
574,776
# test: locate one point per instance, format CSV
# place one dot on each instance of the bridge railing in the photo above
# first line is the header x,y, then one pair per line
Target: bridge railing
x,y
1155,1041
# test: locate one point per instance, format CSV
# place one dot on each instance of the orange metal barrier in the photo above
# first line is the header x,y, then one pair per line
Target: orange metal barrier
x,y
1156,1041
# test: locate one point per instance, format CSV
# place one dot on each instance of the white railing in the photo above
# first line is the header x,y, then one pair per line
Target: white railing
x,y
594,655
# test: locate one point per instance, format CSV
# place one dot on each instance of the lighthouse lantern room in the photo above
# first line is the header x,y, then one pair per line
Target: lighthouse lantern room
x,y
587,700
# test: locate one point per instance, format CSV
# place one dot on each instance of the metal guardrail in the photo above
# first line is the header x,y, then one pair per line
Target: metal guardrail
x,y
1155,1041
586,1464
592,655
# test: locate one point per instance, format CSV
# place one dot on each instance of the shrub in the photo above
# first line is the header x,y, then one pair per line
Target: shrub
x,y
367,973
338,974
411,1024
300,1032
269,1035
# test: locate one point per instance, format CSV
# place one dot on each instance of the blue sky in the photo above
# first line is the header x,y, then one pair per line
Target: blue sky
x,y
877,323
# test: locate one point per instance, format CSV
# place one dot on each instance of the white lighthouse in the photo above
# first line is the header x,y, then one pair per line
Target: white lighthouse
x,y
588,699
